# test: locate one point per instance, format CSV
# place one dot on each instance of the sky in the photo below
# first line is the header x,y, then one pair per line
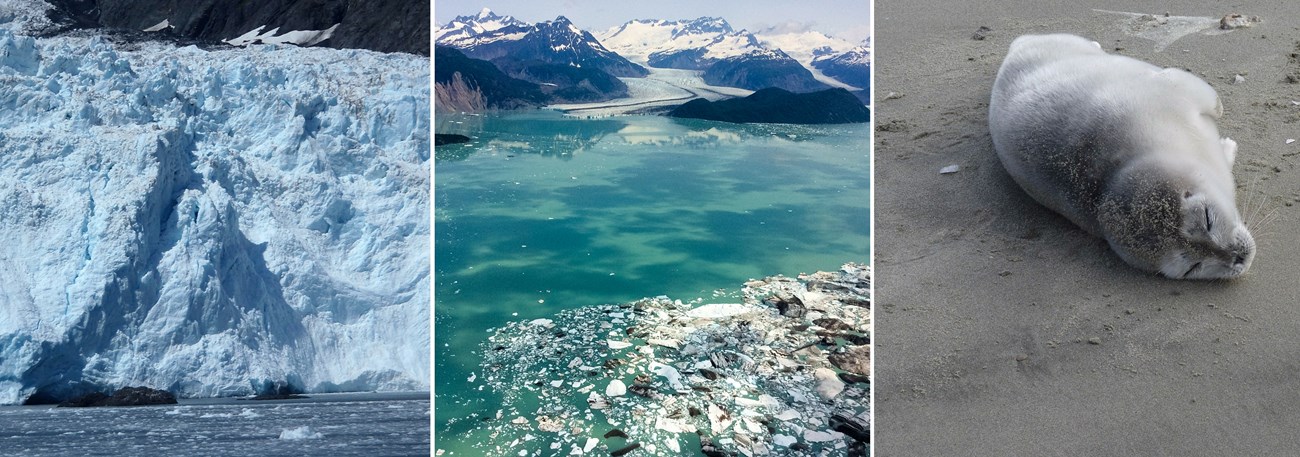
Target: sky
x,y
847,19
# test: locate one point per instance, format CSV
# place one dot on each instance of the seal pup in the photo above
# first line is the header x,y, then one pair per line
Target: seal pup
x,y
1124,149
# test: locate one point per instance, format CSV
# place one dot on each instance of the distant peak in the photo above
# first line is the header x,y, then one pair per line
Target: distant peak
x,y
485,13
562,20
708,24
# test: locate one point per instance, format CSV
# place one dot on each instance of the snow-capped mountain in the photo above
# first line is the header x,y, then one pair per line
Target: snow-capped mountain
x,y
468,31
702,43
805,46
761,69
684,44
512,44
852,66
211,221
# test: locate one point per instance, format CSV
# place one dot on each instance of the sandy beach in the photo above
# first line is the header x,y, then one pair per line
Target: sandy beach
x,y
1005,330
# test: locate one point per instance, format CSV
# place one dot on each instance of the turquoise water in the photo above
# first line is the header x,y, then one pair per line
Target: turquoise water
x,y
543,212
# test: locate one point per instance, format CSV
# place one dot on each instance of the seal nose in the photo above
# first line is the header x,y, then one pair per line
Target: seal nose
x,y
1241,259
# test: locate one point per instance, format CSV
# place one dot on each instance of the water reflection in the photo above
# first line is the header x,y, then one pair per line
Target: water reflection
x,y
541,133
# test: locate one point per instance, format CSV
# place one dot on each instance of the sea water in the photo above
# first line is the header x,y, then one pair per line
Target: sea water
x,y
352,424
541,212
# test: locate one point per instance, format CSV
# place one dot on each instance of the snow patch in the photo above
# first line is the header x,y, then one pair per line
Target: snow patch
x,y
298,37
165,24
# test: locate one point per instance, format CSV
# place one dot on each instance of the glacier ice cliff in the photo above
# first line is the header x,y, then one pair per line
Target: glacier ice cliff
x,y
211,221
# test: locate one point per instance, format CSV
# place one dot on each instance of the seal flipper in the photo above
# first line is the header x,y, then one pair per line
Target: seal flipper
x,y
1229,149
1202,96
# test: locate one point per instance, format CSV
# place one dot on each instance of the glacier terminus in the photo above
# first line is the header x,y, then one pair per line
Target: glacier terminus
x,y
213,221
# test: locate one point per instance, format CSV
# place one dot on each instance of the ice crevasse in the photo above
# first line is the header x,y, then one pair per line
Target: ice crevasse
x,y
211,221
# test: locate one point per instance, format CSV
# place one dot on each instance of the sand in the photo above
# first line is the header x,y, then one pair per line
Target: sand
x,y
1002,329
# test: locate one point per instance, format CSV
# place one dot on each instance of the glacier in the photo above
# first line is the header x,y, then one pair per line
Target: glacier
x,y
210,221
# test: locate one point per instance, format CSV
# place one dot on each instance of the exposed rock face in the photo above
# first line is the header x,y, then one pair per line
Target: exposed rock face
x,y
456,95
469,85
377,25
831,106
126,396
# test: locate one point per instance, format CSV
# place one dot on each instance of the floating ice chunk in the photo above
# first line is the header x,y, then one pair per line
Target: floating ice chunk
x,y
300,433
721,310
663,342
669,373
783,440
788,414
719,420
616,388
828,384
616,345
819,437
674,425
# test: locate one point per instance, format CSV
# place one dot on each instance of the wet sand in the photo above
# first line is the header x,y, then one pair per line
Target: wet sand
x,y
1005,330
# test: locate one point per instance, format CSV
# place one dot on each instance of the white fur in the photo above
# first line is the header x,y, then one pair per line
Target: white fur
x,y
1071,123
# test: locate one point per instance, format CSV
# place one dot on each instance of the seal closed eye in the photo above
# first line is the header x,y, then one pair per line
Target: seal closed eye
x,y
1124,149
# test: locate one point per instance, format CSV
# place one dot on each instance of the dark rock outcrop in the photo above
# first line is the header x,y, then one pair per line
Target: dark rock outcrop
x,y
440,139
851,426
126,396
832,106
379,25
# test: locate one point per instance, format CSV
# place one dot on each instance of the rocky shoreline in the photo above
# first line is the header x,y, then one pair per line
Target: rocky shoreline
x,y
785,372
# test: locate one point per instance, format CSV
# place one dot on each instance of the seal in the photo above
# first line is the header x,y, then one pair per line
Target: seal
x,y
1124,149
